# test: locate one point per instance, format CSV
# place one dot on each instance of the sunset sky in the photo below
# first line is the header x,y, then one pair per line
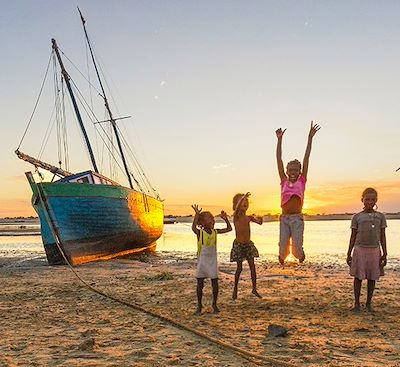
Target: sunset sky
x,y
209,82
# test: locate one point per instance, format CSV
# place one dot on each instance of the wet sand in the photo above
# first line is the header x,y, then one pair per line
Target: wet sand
x,y
48,317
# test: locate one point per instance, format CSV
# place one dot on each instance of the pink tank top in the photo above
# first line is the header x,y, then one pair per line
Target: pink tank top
x,y
288,189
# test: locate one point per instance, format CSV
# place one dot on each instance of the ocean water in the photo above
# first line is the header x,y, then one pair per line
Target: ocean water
x,y
325,241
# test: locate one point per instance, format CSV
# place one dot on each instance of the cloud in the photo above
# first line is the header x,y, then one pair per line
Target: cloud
x,y
222,167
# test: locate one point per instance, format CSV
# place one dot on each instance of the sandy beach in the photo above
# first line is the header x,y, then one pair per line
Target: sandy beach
x,y
48,317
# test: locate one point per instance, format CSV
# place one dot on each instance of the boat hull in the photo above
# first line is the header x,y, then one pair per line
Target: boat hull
x,y
95,222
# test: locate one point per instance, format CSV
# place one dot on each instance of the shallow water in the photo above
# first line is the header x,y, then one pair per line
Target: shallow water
x,y
324,241
320,237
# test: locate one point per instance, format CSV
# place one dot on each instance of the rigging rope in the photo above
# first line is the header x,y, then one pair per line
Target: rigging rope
x,y
244,353
65,131
92,117
37,101
58,118
50,126
59,115
139,169
137,165
82,75
113,152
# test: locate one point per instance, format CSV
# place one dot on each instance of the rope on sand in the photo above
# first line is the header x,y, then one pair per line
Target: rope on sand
x,y
242,352
237,350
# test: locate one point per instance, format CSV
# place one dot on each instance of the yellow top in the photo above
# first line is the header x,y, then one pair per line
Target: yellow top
x,y
206,239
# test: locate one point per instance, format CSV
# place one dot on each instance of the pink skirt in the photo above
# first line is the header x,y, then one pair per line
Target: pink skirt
x,y
365,263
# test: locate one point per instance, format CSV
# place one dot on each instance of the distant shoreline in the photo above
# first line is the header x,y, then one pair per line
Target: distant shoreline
x,y
307,217
21,225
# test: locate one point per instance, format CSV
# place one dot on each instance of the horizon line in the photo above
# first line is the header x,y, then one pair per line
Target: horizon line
x,y
264,215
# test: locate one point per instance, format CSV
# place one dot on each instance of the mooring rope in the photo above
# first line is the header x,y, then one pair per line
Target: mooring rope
x,y
240,351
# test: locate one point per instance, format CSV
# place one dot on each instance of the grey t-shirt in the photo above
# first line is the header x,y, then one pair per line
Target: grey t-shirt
x,y
368,226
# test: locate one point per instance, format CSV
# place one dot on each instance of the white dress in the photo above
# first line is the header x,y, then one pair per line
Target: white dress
x,y
207,264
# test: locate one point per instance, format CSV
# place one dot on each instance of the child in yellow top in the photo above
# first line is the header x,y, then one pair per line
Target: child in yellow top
x,y
207,263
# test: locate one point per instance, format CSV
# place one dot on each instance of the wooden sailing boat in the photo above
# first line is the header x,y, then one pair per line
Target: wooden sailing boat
x,y
86,216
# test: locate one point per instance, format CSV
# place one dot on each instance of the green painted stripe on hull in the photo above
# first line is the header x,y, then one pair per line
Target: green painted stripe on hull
x,y
145,210
84,189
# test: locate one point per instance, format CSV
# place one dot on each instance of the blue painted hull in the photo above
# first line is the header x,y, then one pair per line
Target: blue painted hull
x,y
95,222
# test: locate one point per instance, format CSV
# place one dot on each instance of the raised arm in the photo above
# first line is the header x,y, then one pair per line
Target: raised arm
x,y
228,228
313,130
196,219
256,219
281,170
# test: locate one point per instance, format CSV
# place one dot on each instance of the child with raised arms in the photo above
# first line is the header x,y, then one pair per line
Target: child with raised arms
x,y
207,262
243,248
365,258
293,185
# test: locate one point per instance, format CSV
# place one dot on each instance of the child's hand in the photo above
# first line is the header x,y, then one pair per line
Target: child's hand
x,y
383,261
223,215
256,219
348,260
259,218
279,133
196,209
313,129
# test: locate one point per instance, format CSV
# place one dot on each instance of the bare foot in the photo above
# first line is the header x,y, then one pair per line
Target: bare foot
x,y
198,310
256,293
356,309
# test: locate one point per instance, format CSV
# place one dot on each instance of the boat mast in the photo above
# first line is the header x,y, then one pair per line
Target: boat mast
x,y
78,115
112,120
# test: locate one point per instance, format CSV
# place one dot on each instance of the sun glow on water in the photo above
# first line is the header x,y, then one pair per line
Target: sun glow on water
x,y
290,258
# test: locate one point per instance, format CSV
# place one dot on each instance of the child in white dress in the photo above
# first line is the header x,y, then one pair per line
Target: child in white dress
x,y
207,263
